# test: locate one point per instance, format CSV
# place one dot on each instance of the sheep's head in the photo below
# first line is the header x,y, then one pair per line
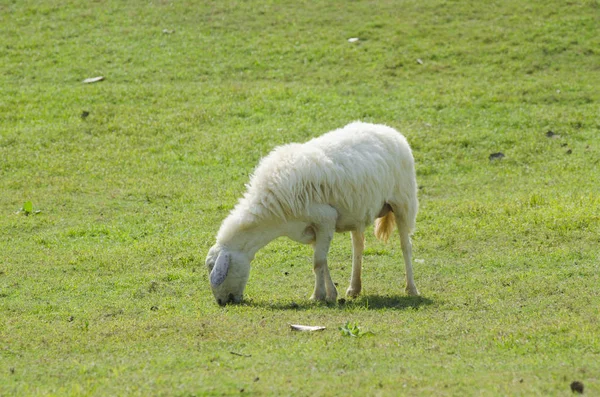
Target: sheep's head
x,y
228,274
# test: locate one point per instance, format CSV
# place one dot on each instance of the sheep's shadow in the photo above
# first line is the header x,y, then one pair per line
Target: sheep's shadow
x,y
366,302
397,302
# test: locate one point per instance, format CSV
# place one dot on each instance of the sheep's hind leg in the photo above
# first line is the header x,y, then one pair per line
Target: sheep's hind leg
x,y
411,288
358,246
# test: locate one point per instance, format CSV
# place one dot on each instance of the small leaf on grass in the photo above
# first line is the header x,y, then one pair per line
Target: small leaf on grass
x,y
306,328
354,331
28,207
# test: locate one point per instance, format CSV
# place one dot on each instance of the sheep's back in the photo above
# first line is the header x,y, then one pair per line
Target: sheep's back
x,y
355,169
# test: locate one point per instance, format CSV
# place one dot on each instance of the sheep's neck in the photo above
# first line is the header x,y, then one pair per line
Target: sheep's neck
x,y
253,238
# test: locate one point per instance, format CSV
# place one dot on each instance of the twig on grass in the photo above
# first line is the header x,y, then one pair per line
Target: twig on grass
x,y
240,354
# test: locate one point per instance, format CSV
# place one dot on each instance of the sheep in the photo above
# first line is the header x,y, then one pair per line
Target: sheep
x,y
341,181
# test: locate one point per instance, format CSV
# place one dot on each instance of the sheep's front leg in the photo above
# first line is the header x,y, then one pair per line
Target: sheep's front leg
x,y
358,246
324,287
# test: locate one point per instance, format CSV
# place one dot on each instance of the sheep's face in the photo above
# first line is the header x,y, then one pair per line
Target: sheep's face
x,y
228,274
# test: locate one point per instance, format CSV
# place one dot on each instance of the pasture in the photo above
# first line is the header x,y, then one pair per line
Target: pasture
x,y
112,192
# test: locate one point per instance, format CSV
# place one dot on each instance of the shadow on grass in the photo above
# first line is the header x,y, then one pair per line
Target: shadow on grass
x,y
398,302
367,302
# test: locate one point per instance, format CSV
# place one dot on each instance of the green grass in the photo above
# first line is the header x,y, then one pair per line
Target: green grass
x,y
104,291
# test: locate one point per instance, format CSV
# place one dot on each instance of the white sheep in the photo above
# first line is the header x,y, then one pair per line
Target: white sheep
x,y
341,181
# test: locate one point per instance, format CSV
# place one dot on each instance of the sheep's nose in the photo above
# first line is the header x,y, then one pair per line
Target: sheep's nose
x,y
230,298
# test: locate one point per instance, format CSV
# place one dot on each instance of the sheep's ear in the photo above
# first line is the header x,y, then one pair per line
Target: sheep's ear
x,y
219,272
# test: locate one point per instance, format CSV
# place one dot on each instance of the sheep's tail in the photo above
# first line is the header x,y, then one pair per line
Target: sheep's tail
x,y
384,226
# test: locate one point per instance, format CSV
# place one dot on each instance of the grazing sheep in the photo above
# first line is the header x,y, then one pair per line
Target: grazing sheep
x,y
341,181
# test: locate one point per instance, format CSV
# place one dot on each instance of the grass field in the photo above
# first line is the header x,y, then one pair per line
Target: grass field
x,y
103,289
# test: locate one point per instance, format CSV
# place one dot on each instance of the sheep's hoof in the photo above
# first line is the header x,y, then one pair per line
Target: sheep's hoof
x,y
412,291
352,292
331,298
323,297
317,297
